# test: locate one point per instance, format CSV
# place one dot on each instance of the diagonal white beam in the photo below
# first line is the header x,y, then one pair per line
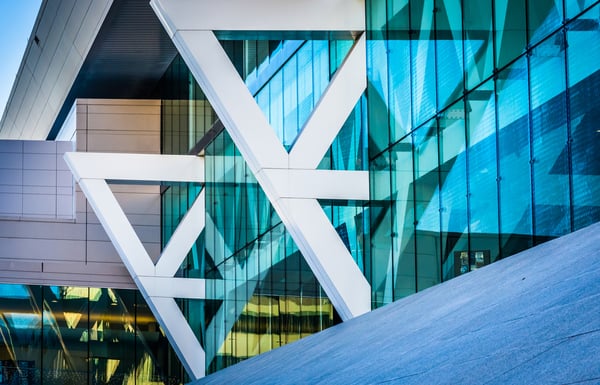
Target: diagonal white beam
x,y
231,99
158,291
139,167
261,149
261,15
332,111
337,272
182,239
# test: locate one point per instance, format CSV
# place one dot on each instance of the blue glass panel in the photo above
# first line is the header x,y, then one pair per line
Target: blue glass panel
x,y
549,133
513,158
403,229
544,16
427,205
482,174
422,59
449,48
511,33
479,59
453,177
583,56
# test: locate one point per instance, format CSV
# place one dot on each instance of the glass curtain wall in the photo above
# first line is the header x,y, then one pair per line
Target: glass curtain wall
x,y
479,128
266,295
502,149
79,335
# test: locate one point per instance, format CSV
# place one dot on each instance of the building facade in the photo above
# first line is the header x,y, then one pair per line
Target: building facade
x,y
468,131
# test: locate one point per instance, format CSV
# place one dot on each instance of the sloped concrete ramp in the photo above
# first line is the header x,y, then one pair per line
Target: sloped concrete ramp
x,y
533,318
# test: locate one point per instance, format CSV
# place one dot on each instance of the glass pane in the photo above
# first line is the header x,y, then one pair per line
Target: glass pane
x,y
544,17
483,185
453,179
427,206
479,59
574,7
377,96
403,242
511,34
21,348
584,85
380,268
513,158
449,48
422,57
549,132
67,335
399,68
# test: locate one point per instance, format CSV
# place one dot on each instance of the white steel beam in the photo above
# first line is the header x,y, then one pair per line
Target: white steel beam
x,y
140,167
157,284
262,151
261,15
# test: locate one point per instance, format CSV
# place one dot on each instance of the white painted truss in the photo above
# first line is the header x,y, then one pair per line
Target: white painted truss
x,y
290,180
157,283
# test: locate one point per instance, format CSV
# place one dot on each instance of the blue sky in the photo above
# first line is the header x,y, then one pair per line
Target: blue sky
x,y
16,21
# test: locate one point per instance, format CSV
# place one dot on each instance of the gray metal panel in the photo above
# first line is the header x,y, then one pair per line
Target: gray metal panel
x,y
42,241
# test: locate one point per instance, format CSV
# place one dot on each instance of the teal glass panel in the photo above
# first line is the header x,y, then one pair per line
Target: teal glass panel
x,y
482,173
479,54
403,228
511,30
449,48
453,180
379,266
545,16
422,58
398,67
575,7
549,133
514,168
427,205
377,76
583,55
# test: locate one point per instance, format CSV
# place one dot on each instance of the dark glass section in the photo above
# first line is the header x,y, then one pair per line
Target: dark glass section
x,y
77,335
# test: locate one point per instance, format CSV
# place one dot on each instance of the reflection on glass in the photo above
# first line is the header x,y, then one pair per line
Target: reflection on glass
x,y
76,335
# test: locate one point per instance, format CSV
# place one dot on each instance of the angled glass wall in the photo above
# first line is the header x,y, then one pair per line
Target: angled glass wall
x,y
479,129
501,151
